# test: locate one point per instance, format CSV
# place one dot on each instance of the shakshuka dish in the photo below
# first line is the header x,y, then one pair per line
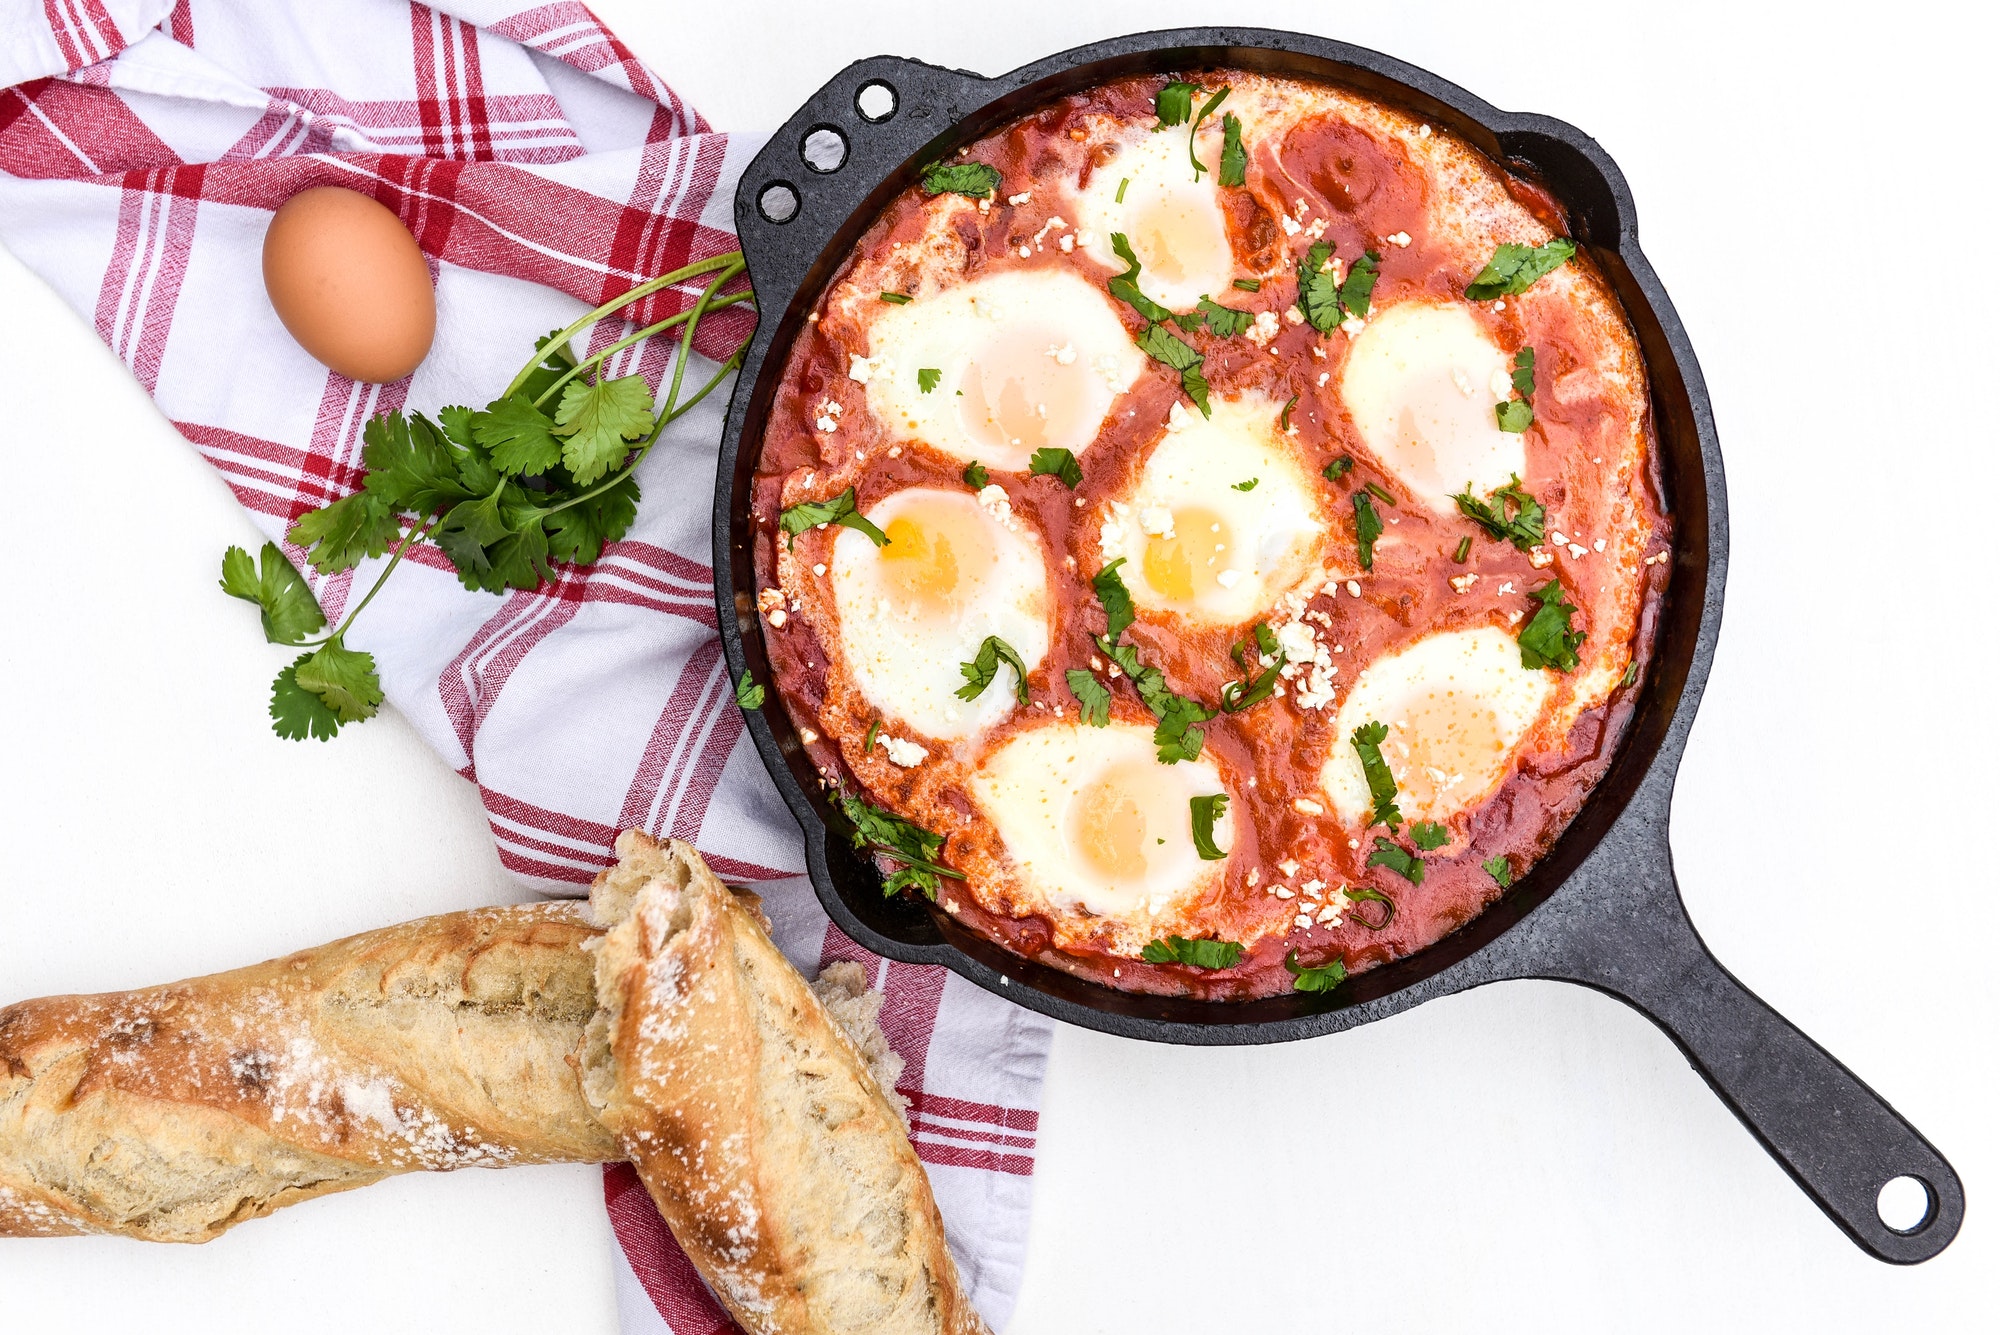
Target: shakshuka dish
x,y
1208,534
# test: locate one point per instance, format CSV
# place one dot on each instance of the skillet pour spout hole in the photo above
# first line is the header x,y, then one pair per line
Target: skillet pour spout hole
x,y
1906,1205
876,101
778,202
824,149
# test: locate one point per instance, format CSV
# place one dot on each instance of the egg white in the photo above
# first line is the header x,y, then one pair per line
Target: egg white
x,y
1173,222
1457,704
1024,360
1196,546
904,645
1056,792
1421,382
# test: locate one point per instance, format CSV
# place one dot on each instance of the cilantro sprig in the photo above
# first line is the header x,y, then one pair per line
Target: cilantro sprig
x,y
1175,715
976,180
1547,640
1367,740
1367,528
1512,515
1318,978
1518,414
841,510
542,475
912,845
1203,813
1326,304
1388,853
985,666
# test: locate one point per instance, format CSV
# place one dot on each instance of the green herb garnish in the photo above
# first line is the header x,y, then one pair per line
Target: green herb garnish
x,y
1320,978
985,665
895,298
1234,160
1093,697
1174,734
1363,894
796,519
1319,297
928,378
1204,812
868,739
280,592
1356,292
1058,463
1203,954
1247,285
1381,493
1514,415
1174,103
1285,414
1516,268
1367,528
1388,853
1427,835
1222,321
1631,673
1125,286
1367,740
974,179
975,476
1160,343
1497,868
1194,131
915,847
1114,598
1119,198
1547,640
1338,469
1517,517
1251,485
749,694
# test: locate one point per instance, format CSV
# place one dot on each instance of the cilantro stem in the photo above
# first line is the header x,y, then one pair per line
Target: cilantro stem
x,y
598,358
618,303
936,868
417,533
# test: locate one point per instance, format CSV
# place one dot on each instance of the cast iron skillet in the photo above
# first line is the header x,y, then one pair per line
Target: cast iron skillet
x,y
1602,908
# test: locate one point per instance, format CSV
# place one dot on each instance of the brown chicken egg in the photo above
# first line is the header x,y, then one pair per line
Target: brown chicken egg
x,y
350,284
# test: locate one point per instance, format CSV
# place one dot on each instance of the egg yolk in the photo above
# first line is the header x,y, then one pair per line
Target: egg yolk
x,y
1026,389
1189,555
1447,748
1178,238
931,561
1108,830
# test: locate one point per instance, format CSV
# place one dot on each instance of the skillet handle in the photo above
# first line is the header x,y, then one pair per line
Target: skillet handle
x,y
1625,931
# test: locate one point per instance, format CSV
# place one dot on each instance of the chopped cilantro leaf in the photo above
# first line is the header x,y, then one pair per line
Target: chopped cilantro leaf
x,y
1524,373
1161,344
1359,288
1547,640
1125,286
868,740
895,298
1093,697
985,665
1517,517
1267,643
288,610
928,378
1222,321
1388,853
1497,868
1363,894
1367,528
1319,978
1464,549
344,679
796,519
1114,598
974,179
975,475
1203,954
1251,485
344,533
1516,268
1234,159
1119,198
1285,414
1237,697
1194,131
1204,812
914,846
1319,298
749,694
518,437
1381,493
297,713
1367,740
1338,469
1058,463
1247,285
1175,734
1427,835
1514,415
1631,673
601,422
1174,103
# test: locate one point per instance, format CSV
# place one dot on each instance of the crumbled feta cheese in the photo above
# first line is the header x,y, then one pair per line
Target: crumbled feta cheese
x,y
1305,806
1461,583
1289,867
829,416
1281,892
1398,239
859,368
1251,879
1557,538
1501,384
993,499
819,568
1316,228
1021,198
904,753
1463,381
1063,356
1263,328
1303,920
1353,325
1540,559
1354,588
1291,227
1067,244
1597,546
1296,639
1577,551
1293,315
1228,579
1423,132
808,736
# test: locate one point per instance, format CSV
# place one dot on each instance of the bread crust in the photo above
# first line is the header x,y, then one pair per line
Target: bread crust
x,y
780,1165
173,1113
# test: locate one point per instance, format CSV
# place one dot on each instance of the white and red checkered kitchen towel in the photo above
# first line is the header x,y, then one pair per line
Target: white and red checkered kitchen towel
x,y
544,169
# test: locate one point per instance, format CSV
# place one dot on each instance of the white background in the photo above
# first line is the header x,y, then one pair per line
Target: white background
x,y
1817,193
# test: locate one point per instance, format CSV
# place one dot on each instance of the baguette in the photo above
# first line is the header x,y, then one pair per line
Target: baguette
x,y
173,1113
779,1162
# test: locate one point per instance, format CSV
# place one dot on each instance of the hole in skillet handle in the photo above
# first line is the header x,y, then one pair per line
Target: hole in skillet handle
x,y
876,101
824,149
1906,1205
778,202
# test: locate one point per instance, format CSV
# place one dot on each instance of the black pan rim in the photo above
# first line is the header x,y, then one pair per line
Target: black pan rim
x,y
1627,820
